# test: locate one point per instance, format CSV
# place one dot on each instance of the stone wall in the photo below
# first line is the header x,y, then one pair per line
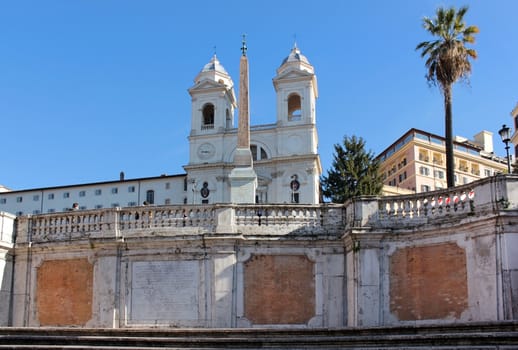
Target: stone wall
x,y
440,257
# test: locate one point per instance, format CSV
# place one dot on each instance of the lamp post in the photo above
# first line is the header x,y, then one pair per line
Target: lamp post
x,y
504,134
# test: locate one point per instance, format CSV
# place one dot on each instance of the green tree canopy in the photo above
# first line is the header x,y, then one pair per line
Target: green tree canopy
x,y
354,172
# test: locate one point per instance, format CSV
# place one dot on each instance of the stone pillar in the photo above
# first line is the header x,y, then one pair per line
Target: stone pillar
x,y
6,267
364,284
243,179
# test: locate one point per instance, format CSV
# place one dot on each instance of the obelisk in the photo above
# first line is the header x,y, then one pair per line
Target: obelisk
x,y
243,180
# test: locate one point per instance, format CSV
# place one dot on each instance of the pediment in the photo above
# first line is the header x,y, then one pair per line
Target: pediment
x,y
293,74
207,84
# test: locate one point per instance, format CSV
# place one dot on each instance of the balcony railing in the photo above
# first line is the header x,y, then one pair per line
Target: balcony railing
x,y
483,197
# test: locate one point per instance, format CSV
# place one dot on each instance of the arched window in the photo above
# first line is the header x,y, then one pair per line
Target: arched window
x,y
258,153
294,107
208,116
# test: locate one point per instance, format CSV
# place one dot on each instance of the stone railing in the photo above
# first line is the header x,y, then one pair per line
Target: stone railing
x,y
427,204
483,197
478,198
179,220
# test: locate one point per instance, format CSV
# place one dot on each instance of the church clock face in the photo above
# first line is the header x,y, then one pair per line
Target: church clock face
x,y
206,151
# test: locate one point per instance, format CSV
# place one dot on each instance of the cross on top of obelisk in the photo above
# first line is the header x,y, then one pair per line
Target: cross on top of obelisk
x,y
243,46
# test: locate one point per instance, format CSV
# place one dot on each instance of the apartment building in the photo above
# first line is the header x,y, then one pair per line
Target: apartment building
x,y
417,161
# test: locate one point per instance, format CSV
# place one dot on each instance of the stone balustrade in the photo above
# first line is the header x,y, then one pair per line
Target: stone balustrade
x,y
482,197
428,204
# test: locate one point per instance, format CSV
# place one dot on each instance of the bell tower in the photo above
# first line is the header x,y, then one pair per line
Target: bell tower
x,y
296,88
213,100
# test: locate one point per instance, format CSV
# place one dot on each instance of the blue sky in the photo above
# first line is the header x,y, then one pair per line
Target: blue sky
x,y
90,88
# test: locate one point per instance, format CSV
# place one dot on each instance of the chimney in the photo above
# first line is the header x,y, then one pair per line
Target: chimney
x,y
485,139
121,176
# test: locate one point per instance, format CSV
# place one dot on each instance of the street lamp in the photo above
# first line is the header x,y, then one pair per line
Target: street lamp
x,y
504,134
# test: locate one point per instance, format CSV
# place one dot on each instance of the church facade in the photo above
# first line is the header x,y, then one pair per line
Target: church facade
x,y
285,154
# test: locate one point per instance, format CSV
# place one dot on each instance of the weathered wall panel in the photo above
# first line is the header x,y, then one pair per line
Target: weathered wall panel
x,y
279,289
64,292
428,282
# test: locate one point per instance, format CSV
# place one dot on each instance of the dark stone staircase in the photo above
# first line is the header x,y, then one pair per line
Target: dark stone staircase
x,y
493,335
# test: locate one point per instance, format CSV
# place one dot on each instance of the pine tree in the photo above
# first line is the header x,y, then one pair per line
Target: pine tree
x,y
354,172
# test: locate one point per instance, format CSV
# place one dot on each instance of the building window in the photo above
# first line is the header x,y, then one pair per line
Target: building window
x,y
82,207
131,189
425,188
465,180
98,206
115,190
208,116
98,192
423,155
115,205
437,159
439,174
51,196
36,212
463,165
19,199
36,197
167,201
66,195
132,204
51,210
487,172
204,201
294,107
150,197
82,193
19,213
258,153
185,184
167,185
424,171
3,201
184,200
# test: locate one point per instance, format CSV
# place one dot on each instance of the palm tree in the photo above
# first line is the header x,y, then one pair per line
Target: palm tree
x,y
447,62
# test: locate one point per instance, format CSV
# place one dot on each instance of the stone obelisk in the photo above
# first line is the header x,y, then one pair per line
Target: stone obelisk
x,y
243,180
